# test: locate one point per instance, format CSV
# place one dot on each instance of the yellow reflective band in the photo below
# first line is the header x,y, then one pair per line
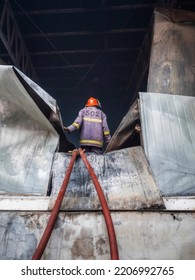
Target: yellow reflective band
x,y
91,142
76,124
92,120
106,132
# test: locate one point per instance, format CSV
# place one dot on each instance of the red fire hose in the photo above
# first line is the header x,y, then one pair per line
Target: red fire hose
x,y
54,214
105,209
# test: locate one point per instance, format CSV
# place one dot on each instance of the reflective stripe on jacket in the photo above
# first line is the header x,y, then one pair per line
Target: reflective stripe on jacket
x,y
93,127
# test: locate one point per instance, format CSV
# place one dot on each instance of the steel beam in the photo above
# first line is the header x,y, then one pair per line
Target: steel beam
x,y
78,66
87,51
87,33
89,10
14,43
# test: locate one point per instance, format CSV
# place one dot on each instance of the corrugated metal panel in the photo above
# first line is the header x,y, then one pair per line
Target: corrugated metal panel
x,y
27,139
124,175
168,127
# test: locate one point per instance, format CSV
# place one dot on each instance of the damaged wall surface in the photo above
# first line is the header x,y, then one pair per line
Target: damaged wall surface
x,y
172,55
83,236
124,176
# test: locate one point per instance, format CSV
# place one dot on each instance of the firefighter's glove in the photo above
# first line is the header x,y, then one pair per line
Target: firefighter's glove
x,y
137,128
66,129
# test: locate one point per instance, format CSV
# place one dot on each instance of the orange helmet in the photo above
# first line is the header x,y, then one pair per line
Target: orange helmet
x,y
92,102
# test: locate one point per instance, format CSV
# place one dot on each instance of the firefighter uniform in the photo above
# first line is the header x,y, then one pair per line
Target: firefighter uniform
x,y
92,123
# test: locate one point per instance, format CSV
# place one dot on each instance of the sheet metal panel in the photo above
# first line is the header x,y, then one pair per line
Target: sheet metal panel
x,y
47,99
168,128
124,175
27,139
48,106
125,135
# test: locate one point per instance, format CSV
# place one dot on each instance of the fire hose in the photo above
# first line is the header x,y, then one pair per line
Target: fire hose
x,y
105,209
54,214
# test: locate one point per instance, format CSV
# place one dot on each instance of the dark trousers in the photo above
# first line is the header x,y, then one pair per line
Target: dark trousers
x,y
92,149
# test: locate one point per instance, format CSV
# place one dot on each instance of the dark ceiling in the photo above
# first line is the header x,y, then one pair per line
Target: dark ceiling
x,y
85,48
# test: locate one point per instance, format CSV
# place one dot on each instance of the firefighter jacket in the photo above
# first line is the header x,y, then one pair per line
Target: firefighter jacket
x,y
93,127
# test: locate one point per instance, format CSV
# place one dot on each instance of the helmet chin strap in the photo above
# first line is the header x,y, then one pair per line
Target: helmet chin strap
x,y
99,104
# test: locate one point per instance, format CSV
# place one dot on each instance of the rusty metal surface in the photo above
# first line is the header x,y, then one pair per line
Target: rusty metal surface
x,y
172,54
168,127
27,139
83,236
124,175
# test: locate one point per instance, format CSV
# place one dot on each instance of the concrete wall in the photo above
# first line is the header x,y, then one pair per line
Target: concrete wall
x,y
172,54
140,235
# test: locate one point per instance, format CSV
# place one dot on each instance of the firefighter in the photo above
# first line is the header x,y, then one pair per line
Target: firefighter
x,y
92,123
